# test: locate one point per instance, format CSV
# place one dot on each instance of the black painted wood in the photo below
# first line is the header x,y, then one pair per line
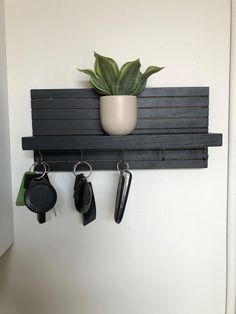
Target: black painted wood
x,y
143,102
125,142
148,92
143,113
90,124
114,155
136,131
160,110
107,160
111,165
173,118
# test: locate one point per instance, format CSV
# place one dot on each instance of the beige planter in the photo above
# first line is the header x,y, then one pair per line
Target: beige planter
x,y
118,114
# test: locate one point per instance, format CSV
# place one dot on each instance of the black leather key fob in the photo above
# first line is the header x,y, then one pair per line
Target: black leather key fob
x,y
122,194
90,215
82,194
40,196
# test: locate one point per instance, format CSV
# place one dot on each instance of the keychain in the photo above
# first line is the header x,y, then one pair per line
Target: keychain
x,y
36,191
122,191
83,194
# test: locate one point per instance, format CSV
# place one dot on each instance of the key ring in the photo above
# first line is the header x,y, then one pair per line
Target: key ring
x,y
82,162
45,166
120,163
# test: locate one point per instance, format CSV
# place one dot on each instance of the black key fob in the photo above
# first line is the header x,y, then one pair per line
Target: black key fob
x,y
84,199
90,215
40,196
82,194
122,194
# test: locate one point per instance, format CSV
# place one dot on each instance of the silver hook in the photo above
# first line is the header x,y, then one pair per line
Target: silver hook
x,y
163,155
205,155
120,163
39,157
81,155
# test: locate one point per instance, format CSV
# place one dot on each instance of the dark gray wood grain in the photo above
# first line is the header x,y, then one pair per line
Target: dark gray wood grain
x,y
143,113
103,165
115,155
143,102
129,142
170,119
159,123
148,92
37,132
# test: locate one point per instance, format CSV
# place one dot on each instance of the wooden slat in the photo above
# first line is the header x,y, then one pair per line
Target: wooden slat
x,y
136,131
73,114
49,156
63,93
93,103
141,124
130,142
175,91
148,92
103,165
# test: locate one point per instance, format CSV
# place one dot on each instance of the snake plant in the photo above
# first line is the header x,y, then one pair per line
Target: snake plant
x,y
108,79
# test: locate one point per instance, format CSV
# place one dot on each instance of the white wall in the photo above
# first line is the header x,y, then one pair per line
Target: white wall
x,y
231,284
6,217
168,255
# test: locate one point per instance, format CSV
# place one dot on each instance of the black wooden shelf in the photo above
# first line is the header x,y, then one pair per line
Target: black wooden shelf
x,y
171,131
128,142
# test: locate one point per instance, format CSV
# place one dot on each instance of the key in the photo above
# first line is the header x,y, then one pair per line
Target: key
x,y
82,194
122,194
90,215
20,200
40,196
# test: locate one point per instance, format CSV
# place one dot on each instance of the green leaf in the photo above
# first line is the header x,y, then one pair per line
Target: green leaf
x,y
107,69
141,87
97,82
137,85
128,79
149,71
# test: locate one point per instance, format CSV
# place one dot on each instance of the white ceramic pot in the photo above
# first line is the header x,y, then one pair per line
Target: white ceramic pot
x,y
118,114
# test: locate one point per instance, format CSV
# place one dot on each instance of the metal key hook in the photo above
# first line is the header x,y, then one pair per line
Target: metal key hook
x,y
120,163
81,163
39,157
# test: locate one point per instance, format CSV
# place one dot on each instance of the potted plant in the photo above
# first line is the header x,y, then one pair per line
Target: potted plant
x,y
119,87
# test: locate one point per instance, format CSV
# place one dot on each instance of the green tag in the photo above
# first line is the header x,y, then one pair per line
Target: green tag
x,y
20,200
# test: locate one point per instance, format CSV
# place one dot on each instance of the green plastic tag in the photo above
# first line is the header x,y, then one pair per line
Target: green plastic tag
x,y
20,200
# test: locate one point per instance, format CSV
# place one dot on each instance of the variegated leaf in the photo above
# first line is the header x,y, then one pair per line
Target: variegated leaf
x,y
107,69
128,79
97,82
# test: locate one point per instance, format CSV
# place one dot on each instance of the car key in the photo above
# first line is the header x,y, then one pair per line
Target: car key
x,y
90,215
122,194
82,194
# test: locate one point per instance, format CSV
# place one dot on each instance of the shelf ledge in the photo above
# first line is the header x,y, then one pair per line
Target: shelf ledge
x,y
130,142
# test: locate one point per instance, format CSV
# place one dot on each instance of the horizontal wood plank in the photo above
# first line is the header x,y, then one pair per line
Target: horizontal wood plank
x,y
148,92
139,165
80,114
141,124
93,103
113,155
130,142
37,132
